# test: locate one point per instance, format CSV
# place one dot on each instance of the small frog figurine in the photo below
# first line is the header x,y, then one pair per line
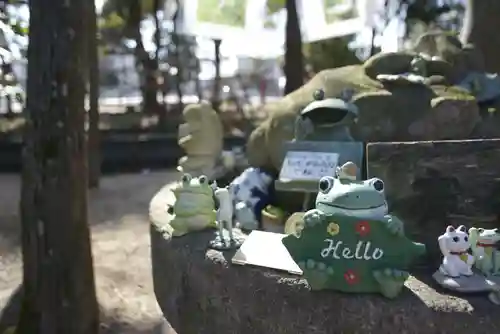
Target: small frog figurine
x,y
484,246
194,207
347,196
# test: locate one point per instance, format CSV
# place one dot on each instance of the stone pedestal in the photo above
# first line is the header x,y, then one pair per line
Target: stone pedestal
x,y
200,291
431,185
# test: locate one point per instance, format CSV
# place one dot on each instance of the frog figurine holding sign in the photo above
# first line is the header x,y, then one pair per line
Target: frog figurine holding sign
x,y
349,242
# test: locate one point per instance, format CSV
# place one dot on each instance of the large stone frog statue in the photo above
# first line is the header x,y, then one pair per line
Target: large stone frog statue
x,y
350,242
194,207
484,246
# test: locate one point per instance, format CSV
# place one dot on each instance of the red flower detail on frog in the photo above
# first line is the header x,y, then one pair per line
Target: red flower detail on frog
x,y
362,228
351,277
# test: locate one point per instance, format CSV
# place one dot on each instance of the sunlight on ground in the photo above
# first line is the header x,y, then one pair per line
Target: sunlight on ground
x,y
118,213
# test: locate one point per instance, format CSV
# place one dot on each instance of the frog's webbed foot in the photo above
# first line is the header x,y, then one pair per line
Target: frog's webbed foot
x,y
316,273
313,217
178,227
394,224
391,281
179,232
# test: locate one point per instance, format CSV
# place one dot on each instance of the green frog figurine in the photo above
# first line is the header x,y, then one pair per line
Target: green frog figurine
x,y
484,243
194,207
349,242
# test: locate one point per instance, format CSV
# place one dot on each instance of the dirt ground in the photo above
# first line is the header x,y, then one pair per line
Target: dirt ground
x,y
118,213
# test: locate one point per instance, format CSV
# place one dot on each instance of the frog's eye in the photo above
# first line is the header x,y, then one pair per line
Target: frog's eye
x,y
378,185
202,179
186,178
325,184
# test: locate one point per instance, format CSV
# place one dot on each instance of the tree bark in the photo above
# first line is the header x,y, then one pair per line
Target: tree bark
x,y
481,25
59,289
94,140
294,59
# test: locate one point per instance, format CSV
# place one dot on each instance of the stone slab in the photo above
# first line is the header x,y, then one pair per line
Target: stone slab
x,y
430,185
475,283
200,291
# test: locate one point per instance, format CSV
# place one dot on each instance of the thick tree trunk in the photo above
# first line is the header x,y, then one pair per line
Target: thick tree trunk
x,y
294,59
59,290
481,26
94,141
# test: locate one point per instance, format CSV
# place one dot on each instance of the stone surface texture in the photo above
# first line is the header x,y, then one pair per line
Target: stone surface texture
x,y
475,283
199,291
430,185
436,109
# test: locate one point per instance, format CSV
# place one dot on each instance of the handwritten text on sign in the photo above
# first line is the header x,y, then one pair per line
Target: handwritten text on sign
x,y
308,166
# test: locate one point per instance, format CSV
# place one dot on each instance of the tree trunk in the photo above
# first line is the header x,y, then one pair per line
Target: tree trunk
x,y
216,98
197,82
94,140
177,45
59,290
294,59
481,25
148,68
160,83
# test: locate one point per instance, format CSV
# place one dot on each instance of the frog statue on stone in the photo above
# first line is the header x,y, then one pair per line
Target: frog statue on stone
x,y
194,207
484,246
346,196
349,242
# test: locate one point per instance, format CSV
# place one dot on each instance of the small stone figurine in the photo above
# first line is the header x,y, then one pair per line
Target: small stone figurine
x,y
484,246
193,209
454,245
225,238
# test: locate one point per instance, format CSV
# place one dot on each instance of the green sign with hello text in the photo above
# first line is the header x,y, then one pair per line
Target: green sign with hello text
x,y
354,255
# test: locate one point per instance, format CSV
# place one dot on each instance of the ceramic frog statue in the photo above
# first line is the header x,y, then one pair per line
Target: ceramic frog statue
x,y
350,243
361,199
484,245
194,207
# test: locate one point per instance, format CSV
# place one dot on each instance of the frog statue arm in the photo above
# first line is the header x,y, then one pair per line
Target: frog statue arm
x,y
478,252
394,224
313,217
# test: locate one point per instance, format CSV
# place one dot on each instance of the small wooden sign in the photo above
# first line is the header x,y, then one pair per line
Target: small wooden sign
x,y
350,254
265,249
308,166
